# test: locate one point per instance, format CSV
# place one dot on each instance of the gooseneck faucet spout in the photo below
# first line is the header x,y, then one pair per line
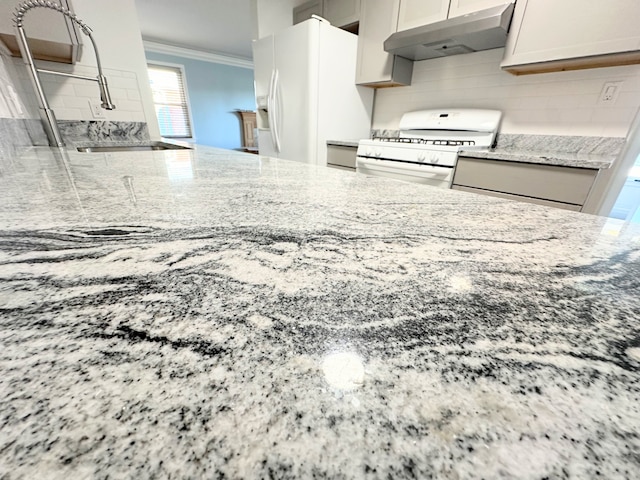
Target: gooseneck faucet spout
x,y
46,113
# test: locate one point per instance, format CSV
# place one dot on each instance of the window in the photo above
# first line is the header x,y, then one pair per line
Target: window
x,y
170,100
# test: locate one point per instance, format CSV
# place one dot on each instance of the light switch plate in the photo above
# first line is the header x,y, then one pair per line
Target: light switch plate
x,y
610,92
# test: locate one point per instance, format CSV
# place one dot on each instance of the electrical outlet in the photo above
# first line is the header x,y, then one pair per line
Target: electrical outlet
x,y
96,110
609,93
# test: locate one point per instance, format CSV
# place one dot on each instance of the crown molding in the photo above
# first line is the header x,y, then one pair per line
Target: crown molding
x,y
156,47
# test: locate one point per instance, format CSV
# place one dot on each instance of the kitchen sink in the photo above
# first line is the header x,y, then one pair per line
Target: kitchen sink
x,y
141,147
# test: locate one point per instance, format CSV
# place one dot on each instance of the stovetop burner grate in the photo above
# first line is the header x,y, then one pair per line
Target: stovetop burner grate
x,y
424,141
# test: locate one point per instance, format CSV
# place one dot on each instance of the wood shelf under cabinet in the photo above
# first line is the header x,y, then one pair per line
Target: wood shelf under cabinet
x,y
51,35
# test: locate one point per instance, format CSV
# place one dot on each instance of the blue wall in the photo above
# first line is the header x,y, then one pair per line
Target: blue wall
x,y
215,92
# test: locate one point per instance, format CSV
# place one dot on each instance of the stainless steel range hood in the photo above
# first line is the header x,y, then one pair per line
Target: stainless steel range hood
x,y
482,30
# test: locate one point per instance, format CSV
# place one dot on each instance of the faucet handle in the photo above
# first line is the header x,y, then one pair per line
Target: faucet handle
x,y
105,96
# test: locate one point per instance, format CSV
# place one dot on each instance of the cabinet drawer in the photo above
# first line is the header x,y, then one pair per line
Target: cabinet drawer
x,y
341,156
548,182
509,196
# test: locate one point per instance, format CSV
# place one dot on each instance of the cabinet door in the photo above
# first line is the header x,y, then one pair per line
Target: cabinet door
x,y
545,31
342,12
545,182
375,67
340,156
303,12
52,36
463,7
519,198
414,13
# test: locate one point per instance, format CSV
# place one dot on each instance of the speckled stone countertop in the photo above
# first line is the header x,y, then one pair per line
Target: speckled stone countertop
x,y
564,159
213,314
565,151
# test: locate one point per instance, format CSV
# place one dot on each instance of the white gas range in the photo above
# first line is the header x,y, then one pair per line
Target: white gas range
x,y
427,149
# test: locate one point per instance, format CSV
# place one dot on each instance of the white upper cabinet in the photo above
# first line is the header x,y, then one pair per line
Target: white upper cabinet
x,y
552,35
342,12
375,67
51,35
414,13
303,12
463,7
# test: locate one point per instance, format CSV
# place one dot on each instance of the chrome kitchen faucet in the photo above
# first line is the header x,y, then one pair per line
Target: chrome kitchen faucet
x,y
46,113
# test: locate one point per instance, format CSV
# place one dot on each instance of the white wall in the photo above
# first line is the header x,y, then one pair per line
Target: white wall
x,y
115,28
560,103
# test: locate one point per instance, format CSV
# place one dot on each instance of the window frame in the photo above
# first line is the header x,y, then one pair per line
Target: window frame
x,y
180,67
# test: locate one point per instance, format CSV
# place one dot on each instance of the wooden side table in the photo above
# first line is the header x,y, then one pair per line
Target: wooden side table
x,y
248,124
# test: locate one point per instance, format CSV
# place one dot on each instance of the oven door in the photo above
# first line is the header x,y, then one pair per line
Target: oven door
x,y
408,172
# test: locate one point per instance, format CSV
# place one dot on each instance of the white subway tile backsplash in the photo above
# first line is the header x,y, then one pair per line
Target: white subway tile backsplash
x,y
75,102
118,92
133,94
137,117
612,116
123,82
88,90
67,113
5,111
86,115
558,103
53,88
128,105
530,103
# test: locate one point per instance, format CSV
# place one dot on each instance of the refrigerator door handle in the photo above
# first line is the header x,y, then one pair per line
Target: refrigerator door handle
x,y
271,111
275,127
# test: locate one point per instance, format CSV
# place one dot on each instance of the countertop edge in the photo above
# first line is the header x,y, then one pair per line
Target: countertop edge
x,y
563,159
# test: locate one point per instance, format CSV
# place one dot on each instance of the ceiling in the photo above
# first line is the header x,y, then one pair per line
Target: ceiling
x,y
214,26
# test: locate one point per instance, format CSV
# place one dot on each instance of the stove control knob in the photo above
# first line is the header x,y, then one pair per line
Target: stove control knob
x,y
435,159
378,153
421,157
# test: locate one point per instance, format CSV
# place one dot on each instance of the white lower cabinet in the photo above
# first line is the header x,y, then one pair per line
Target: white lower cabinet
x,y
552,35
342,157
551,185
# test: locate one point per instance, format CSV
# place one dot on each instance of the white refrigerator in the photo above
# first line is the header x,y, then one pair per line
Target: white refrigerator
x,y
306,92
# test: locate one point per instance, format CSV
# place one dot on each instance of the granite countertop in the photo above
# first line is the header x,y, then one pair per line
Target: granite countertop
x,y
215,314
564,159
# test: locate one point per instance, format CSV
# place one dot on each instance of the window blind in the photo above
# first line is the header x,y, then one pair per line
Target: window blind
x,y
170,101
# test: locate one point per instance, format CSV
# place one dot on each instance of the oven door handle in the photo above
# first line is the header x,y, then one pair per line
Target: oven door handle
x,y
429,171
